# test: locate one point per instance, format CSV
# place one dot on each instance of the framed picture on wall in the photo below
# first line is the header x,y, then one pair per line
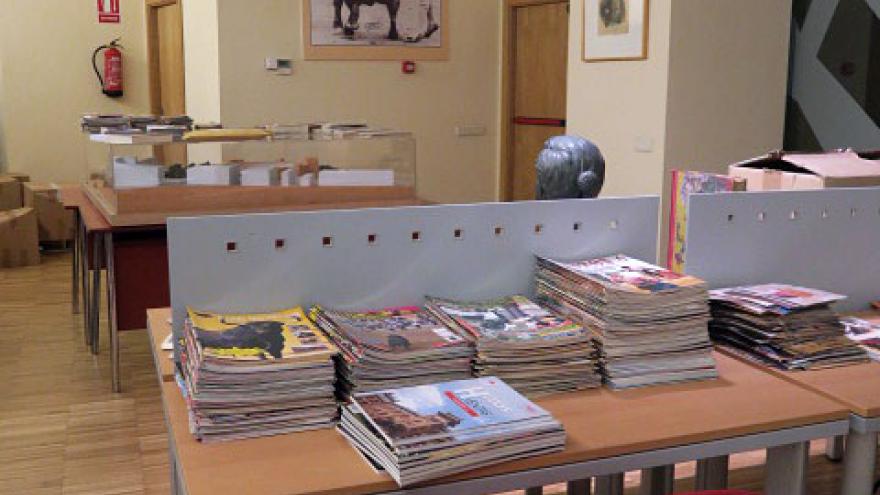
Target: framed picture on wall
x,y
376,29
615,30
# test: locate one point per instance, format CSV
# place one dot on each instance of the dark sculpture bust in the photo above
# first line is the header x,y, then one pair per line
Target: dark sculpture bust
x,y
569,167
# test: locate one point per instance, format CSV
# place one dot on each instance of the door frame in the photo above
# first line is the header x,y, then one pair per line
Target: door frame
x,y
152,19
508,90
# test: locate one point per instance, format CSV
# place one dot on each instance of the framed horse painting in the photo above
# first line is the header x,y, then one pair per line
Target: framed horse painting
x,y
376,29
615,30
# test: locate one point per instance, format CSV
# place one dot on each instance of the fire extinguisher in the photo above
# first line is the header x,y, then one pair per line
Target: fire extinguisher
x,y
111,82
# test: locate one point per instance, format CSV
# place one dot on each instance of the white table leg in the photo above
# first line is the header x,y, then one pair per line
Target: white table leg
x,y
657,480
712,473
786,469
611,484
579,487
834,448
860,462
111,311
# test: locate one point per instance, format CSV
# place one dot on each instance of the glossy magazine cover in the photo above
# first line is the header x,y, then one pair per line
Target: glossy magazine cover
x,y
402,329
283,335
620,272
443,410
774,298
511,319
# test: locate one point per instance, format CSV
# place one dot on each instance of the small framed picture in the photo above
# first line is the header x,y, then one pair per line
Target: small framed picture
x,y
615,30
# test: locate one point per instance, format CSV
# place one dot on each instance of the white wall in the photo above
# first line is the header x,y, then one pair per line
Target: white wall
x,y
614,104
442,95
48,82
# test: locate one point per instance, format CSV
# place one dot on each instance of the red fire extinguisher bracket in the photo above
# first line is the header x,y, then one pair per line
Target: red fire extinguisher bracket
x,y
112,81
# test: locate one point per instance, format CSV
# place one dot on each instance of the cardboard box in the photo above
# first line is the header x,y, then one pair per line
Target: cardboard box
x,y
17,176
10,193
19,242
781,170
54,223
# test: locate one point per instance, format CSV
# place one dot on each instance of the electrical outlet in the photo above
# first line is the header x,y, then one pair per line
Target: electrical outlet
x,y
644,144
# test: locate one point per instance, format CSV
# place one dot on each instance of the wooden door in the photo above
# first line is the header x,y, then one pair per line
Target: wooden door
x,y
167,69
539,58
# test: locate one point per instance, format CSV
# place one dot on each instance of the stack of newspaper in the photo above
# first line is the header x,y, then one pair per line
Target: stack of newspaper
x,y
421,433
534,351
865,331
650,324
256,375
394,347
782,325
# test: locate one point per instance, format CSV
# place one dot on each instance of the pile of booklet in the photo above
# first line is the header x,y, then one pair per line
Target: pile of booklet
x,y
650,323
865,331
782,325
421,433
533,350
256,375
395,347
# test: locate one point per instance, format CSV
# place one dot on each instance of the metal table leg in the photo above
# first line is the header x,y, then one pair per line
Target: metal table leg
x,y
111,310
786,469
712,473
834,448
860,461
657,480
95,310
535,491
579,487
84,278
74,266
611,484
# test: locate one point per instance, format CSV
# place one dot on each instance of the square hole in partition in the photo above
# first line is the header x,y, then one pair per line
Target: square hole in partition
x,y
794,215
539,229
825,213
762,216
327,241
459,234
372,239
499,231
853,212
279,244
577,226
231,247
730,218
416,236
613,225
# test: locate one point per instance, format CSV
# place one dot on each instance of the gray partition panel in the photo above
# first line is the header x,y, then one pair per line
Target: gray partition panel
x,y
360,259
827,239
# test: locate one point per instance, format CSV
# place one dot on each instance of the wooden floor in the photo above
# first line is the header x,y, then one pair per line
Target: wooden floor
x,y
63,432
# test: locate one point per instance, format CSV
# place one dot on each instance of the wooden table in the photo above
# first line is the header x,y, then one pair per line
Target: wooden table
x,y
133,249
858,388
159,328
608,432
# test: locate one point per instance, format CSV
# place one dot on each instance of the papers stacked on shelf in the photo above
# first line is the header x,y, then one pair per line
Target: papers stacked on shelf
x,y
782,325
650,323
865,331
421,433
256,375
395,347
533,350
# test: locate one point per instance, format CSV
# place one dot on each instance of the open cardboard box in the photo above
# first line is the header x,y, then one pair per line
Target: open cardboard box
x,y
782,170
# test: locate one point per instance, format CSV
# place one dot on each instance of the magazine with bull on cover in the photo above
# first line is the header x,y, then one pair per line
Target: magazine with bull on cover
x,y
445,410
510,319
283,335
395,330
621,272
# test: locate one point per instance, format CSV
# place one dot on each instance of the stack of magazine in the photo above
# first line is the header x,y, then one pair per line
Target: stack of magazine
x,y
421,433
782,325
650,323
395,347
533,350
256,375
865,331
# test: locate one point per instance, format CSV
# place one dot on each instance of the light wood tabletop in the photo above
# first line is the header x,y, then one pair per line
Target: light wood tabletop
x,y
73,197
857,386
159,327
599,424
